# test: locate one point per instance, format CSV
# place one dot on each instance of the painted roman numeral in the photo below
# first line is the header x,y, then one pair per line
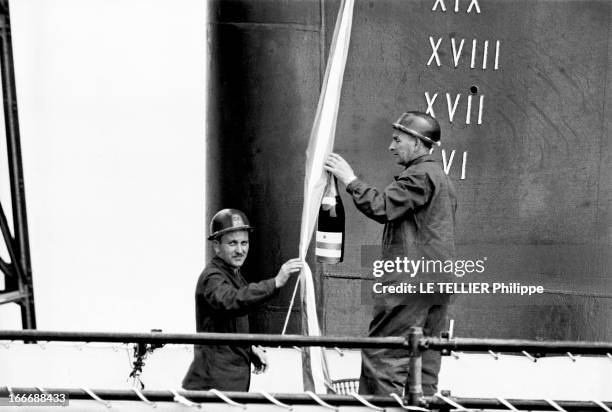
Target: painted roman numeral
x,y
452,104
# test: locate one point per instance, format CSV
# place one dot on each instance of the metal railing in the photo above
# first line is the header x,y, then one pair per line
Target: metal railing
x,y
415,344
347,342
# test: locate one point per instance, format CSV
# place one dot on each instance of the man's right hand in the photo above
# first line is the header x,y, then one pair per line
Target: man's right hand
x,y
289,267
336,165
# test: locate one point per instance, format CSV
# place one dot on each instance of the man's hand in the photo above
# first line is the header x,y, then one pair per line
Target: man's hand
x,y
259,359
340,168
289,267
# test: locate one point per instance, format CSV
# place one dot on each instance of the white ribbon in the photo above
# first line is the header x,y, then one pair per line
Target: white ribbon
x,y
275,401
182,400
555,405
226,399
364,402
97,398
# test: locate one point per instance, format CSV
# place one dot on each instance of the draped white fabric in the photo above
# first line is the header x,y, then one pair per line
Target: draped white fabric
x,y
320,145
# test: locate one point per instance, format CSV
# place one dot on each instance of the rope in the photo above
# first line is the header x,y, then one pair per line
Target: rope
x,y
182,400
507,404
602,406
451,402
97,398
366,403
407,407
142,398
555,405
531,358
275,401
226,399
297,283
321,401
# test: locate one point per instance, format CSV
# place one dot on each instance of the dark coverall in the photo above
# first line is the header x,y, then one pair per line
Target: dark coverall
x,y
223,302
418,210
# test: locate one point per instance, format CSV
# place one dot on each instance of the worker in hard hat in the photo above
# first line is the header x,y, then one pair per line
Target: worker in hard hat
x,y
418,211
223,301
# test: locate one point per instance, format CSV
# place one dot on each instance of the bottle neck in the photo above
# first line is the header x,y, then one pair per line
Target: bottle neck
x,y
331,189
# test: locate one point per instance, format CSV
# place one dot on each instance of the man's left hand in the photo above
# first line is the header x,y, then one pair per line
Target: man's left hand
x,y
260,359
336,165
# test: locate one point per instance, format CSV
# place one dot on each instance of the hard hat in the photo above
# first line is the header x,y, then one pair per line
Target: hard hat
x,y
228,220
420,125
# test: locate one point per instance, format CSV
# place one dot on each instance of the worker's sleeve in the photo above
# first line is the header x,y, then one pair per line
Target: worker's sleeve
x,y
222,296
406,193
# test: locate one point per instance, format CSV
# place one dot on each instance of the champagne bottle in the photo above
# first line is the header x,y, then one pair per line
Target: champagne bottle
x,y
330,226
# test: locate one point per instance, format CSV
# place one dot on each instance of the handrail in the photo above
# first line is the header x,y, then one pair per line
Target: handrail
x,y
205,339
516,345
304,399
415,344
349,342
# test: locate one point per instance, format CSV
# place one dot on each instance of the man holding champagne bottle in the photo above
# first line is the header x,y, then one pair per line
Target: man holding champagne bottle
x,y
223,301
418,211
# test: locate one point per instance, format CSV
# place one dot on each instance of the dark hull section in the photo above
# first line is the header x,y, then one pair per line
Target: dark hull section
x,y
531,160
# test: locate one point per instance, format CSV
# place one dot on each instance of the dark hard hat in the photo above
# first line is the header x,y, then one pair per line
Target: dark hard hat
x,y
228,220
420,125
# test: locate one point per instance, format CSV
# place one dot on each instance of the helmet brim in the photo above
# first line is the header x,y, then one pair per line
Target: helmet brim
x,y
219,233
416,134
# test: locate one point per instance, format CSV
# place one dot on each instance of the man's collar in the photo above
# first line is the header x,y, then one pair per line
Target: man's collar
x,y
421,159
224,265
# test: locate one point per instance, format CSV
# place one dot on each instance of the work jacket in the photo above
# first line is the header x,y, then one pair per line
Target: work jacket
x,y
418,211
223,301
